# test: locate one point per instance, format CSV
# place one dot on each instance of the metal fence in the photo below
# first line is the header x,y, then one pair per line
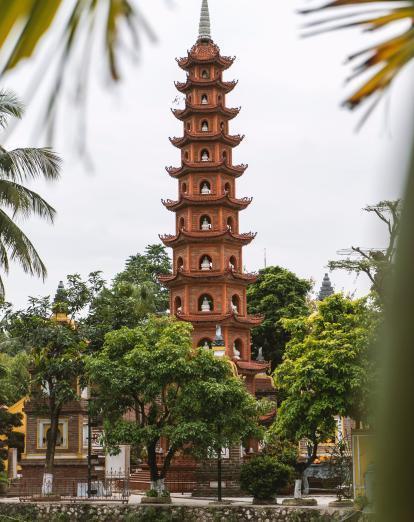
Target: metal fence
x,y
113,488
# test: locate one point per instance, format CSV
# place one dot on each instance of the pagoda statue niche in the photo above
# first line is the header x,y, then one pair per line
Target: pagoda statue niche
x,y
208,276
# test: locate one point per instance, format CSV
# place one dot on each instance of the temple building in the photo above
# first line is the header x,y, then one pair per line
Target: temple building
x,y
208,283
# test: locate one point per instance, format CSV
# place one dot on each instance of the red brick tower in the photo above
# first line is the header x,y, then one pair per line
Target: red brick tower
x,y
208,285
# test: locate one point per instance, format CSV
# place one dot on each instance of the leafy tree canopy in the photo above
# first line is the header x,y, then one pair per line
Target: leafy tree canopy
x,y
187,396
277,294
327,369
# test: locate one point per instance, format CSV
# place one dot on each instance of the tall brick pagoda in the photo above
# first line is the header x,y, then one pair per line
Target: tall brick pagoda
x,y
208,285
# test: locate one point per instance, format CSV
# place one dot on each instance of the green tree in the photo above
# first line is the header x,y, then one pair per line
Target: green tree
x,y
15,382
17,167
263,476
377,264
327,370
8,421
183,395
144,269
277,294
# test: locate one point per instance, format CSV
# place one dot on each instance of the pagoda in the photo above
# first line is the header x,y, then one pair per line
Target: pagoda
x,y
208,284
326,289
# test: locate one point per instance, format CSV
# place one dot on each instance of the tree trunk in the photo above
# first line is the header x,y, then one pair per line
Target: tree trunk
x,y
311,459
47,486
157,483
219,475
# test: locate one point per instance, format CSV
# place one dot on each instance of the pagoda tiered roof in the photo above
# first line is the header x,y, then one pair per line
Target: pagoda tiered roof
x,y
208,275
249,321
206,166
252,366
191,109
171,240
203,53
232,141
207,199
215,82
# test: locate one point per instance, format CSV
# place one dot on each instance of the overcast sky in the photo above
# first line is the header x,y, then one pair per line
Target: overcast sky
x,y
310,174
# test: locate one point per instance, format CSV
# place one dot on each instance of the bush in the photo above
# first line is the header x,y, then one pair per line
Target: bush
x,y
152,493
263,476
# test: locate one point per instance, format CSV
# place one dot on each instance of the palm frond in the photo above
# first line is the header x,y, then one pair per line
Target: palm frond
x,y
23,201
29,163
9,106
21,249
385,59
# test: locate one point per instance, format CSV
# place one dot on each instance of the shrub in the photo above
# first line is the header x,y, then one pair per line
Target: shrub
x,y
152,493
263,476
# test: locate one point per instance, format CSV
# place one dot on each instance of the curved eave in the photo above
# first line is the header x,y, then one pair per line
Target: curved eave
x,y
191,83
248,321
207,137
182,114
252,367
224,62
184,236
185,277
225,200
206,166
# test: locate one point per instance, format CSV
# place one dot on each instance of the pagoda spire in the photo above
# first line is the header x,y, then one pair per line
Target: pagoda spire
x,y
326,288
204,32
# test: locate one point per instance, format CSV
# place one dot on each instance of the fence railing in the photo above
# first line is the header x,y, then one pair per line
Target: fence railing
x,y
114,487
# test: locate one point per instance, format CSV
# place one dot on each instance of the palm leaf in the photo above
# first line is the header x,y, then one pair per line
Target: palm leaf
x,y
20,247
22,201
9,106
29,163
385,59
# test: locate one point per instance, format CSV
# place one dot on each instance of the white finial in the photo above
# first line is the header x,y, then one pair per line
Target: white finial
x,y
204,32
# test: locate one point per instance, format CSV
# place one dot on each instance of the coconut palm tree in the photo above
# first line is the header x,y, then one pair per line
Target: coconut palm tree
x,y
17,167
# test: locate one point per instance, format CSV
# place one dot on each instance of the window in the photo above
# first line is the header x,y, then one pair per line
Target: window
x,y
224,155
205,188
206,263
43,430
237,348
235,304
205,343
188,125
186,155
205,223
227,188
205,304
181,224
205,74
184,188
220,98
180,264
222,126
233,263
204,126
204,99
205,155
230,223
178,306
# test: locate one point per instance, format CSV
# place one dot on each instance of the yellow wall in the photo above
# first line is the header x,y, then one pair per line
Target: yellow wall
x,y
362,456
18,408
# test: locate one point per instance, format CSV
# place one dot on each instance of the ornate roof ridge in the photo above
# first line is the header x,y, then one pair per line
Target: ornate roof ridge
x,y
230,139
204,198
227,86
207,165
171,238
244,276
189,107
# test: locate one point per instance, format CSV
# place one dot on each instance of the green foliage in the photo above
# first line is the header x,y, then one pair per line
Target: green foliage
x,y
183,395
16,200
277,294
14,383
263,476
283,450
327,369
152,493
8,421
340,468
145,268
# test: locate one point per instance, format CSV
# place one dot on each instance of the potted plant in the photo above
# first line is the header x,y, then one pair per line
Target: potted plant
x,y
4,484
263,476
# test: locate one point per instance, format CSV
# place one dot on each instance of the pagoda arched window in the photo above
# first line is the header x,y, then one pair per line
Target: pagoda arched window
x,y
188,125
235,304
181,224
205,223
230,223
205,155
205,188
204,126
224,155
180,264
237,349
205,343
222,126
227,189
184,188
205,74
178,305
204,99
205,303
186,155
206,263
233,263
220,98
